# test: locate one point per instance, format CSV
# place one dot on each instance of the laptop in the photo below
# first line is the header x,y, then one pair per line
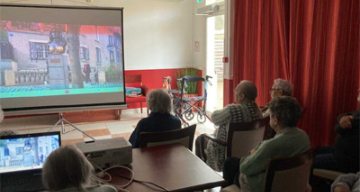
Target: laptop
x,y
22,158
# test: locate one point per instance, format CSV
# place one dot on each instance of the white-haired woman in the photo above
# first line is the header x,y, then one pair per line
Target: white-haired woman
x,y
67,170
160,119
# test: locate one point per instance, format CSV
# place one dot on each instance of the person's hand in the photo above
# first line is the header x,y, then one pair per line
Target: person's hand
x,y
341,189
252,151
345,121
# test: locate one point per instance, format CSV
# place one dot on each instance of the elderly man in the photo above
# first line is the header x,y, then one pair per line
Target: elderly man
x,y
280,87
344,155
244,110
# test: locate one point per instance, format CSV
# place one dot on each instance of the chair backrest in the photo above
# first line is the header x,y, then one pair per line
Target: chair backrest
x,y
243,137
184,136
269,132
289,174
327,174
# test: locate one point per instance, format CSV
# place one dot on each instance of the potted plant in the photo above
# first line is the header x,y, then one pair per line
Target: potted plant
x,y
191,87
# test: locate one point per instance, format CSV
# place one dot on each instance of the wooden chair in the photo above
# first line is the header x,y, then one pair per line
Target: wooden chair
x,y
242,138
289,174
184,136
327,174
286,174
269,132
136,81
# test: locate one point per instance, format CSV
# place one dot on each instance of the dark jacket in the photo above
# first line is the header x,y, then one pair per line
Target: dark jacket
x,y
156,122
347,144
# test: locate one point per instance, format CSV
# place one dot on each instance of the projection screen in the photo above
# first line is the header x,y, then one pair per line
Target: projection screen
x,y
55,59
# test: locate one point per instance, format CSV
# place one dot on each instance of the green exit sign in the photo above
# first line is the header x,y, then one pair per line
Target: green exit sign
x,y
199,1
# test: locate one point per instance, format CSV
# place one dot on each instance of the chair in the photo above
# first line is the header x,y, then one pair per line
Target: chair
x,y
327,174
184,136
242,138
269,132
136,81
289,174
286,174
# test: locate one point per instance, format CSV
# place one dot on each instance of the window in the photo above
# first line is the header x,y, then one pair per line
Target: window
x,y
39,51
98,55
111,41
116,40
209,2
111,54
6,50
214,63
19,150
84,53
117,56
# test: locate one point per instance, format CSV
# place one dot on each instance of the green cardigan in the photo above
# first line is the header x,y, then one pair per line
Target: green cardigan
x,y
288,143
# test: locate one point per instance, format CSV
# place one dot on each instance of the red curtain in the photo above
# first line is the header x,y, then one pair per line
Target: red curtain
x,y
313,44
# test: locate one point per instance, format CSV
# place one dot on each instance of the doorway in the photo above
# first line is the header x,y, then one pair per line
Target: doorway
x,y
214,64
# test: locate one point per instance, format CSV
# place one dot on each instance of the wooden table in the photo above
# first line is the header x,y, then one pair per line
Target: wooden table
x,y
172,167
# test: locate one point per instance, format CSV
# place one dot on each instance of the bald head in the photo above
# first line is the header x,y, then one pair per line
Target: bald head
x,y
245,90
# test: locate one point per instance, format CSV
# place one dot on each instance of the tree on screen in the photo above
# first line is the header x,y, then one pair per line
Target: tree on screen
x,y
73,43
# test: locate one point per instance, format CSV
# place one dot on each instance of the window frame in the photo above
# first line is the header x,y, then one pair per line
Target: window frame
x,y
38,54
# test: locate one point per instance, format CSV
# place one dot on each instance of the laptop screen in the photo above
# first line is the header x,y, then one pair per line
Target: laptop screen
x,y
28,151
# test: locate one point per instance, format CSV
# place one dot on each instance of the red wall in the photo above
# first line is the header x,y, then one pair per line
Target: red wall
x,y
153,79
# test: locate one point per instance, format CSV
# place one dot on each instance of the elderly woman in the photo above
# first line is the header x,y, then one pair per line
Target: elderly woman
x,y
160,119
249,172
279,88
244,110
67,170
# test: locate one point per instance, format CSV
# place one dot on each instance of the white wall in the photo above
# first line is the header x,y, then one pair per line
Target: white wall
x,y
199,35
158,34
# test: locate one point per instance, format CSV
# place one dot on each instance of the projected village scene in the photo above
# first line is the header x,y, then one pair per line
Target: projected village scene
x,y
26,153
45,59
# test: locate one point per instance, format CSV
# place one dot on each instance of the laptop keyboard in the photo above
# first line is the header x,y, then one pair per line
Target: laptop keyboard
x,y
24,182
